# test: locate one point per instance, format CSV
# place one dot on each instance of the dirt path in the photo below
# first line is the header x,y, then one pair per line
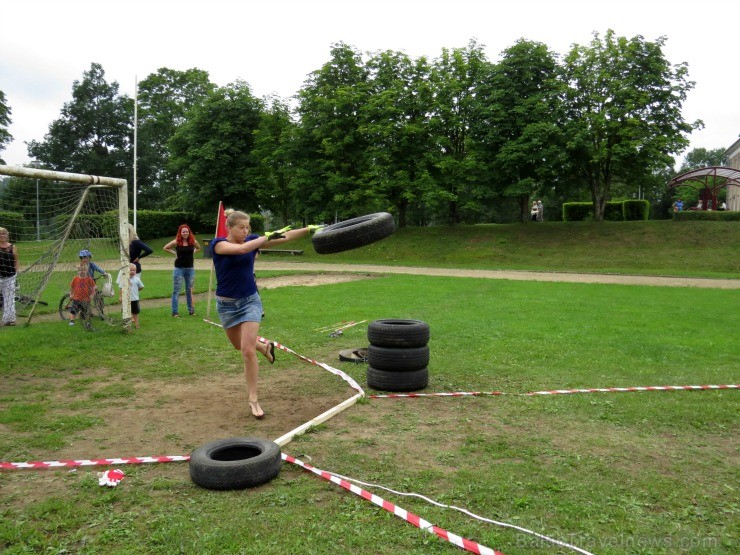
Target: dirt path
x,y
666,281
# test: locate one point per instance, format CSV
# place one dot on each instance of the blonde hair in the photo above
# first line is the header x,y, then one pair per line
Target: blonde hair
x,y
2,229
233,216
132,233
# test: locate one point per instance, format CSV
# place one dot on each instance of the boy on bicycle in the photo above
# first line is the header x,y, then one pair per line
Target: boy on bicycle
x,y
81,291
86,259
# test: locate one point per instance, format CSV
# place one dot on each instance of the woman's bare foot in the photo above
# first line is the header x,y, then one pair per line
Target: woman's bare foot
x,y
270,352
257,411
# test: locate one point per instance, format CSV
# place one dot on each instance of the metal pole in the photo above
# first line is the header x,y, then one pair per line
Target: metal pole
x,y
136,117
38,227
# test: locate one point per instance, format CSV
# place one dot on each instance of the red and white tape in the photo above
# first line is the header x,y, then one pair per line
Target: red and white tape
x,y
409,517
560,391
630,389
352,383
448,394
91,462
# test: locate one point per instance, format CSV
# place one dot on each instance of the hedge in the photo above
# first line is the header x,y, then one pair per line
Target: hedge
x,y
614,211
707,215
14,222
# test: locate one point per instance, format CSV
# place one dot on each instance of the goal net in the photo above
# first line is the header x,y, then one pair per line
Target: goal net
x,y
51,217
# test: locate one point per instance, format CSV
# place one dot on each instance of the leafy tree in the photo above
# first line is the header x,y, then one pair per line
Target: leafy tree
x,y
519,123
165,98
332,146
212,150
455,77
275,152
395,122
701,158
5,121
624,101
94,134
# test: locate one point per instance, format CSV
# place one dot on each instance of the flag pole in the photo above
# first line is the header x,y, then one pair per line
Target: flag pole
x,y
210,277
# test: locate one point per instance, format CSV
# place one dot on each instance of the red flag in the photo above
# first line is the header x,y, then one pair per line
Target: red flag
x,y
221,230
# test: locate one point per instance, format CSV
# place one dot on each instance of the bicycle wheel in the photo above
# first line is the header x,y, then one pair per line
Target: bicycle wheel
x,y
98,306
64,305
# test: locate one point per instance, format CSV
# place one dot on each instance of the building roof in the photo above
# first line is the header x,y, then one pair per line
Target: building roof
x,y
732,176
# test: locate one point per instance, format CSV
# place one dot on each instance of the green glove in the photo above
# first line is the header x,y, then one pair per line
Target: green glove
x,y
314,228
278,234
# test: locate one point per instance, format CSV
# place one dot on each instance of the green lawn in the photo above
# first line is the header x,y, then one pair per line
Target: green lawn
x,y
649,472
694,248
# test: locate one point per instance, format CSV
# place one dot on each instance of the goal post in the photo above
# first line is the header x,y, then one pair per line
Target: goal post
x,y
51,216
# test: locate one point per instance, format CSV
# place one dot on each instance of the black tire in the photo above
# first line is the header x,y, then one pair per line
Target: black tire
x,y
353,233
398,359
235,463
358,356
395,332
98,306
64,305
385,380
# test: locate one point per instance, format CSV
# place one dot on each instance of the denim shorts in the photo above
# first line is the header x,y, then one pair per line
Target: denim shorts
x,y
233,312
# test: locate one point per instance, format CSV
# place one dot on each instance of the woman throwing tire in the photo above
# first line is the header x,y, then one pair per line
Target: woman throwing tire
x,y
237,300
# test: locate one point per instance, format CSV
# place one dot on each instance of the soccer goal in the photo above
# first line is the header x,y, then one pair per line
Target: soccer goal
x,y
51,217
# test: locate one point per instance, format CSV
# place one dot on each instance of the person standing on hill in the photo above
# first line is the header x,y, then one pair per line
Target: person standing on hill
x,y
540,211
9,268
184,246
137,249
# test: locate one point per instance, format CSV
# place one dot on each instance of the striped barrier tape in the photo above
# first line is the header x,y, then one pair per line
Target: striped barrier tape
x,y
92,462
631,389
352,383
409,517
559,391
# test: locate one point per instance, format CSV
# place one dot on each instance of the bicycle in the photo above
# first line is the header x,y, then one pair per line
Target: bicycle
x,y
95,310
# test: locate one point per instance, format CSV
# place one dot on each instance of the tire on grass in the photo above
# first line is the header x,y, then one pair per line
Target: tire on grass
x,y
386,380
397,332
398,359
358,356
353,233
235,463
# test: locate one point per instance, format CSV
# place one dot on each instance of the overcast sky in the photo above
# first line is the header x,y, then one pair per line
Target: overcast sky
x,y
45,45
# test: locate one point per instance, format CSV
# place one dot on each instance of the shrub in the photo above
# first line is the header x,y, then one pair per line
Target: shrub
x,y
635,210
578,211
707,216
613,211
14,223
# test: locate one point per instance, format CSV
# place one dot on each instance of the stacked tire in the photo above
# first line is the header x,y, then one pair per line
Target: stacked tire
x,y
398,355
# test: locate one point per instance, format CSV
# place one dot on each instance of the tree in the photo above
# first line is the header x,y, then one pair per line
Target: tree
x,y
332,145
5,121
395,123
519,123
94,134
701,158
165,98
624,101
275,152
455,77
212,151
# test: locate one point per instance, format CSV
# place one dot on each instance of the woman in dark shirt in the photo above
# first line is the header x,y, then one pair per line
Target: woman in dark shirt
x,y
137,249
184,246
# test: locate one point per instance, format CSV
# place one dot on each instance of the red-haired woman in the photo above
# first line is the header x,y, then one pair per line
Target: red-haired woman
x,y
184,246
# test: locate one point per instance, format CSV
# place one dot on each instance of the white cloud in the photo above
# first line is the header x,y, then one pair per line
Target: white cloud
x,y
273,45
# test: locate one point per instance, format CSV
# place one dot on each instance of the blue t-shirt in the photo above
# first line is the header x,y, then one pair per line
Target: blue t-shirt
x,y
234,272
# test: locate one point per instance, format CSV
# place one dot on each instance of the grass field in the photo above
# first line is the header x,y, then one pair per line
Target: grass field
x,y
647,472
707,249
